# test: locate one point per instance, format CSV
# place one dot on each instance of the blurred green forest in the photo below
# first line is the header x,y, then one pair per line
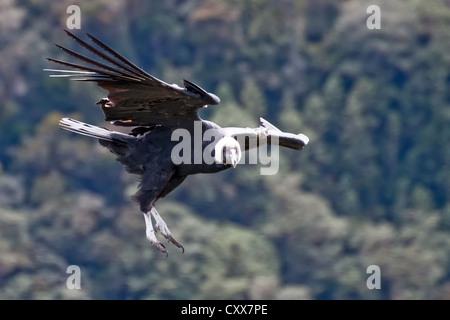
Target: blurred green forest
x,y
371,188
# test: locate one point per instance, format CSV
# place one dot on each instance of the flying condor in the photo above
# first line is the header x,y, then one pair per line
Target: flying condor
x,y
157,111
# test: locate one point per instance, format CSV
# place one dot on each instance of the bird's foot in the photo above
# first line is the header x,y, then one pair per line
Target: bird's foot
x,y
162,227
150,233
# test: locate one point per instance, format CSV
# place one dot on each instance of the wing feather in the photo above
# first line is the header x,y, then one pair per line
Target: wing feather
x,y
135,98
267,133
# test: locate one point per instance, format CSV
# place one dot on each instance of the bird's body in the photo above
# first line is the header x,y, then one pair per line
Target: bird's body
x,y
168,141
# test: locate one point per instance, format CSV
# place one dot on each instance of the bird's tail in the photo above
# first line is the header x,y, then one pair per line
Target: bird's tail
x,y
120,144
94,131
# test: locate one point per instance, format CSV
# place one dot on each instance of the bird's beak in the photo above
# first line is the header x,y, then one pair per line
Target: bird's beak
x,y
234,160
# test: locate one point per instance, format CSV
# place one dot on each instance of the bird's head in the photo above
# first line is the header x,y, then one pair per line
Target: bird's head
x,y
228,151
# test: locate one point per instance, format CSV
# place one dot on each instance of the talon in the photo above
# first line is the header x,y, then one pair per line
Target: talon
x,y
162,227
176,243
161,247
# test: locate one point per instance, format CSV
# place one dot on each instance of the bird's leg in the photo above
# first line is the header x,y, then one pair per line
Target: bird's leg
x,y
162,226
150,233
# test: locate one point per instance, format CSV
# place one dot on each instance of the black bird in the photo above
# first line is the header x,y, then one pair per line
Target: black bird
x,y
164,117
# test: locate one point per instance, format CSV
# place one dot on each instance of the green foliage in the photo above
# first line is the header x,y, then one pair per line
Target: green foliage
x,y
372,187
252,98
229,113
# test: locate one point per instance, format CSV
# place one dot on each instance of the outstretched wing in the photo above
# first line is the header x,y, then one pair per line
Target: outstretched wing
x,y
267,133
135,97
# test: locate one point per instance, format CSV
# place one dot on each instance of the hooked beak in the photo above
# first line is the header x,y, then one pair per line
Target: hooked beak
x,y
234,159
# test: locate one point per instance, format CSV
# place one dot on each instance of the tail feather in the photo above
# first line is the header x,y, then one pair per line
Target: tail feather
x,y
93,131
121,144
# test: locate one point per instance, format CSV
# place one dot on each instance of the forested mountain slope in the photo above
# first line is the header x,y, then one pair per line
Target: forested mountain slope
x,y
371,188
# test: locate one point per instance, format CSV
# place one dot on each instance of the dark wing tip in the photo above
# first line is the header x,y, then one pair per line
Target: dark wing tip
x,y
208,98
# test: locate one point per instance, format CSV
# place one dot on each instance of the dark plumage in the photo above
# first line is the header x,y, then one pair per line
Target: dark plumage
x,y
160,113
